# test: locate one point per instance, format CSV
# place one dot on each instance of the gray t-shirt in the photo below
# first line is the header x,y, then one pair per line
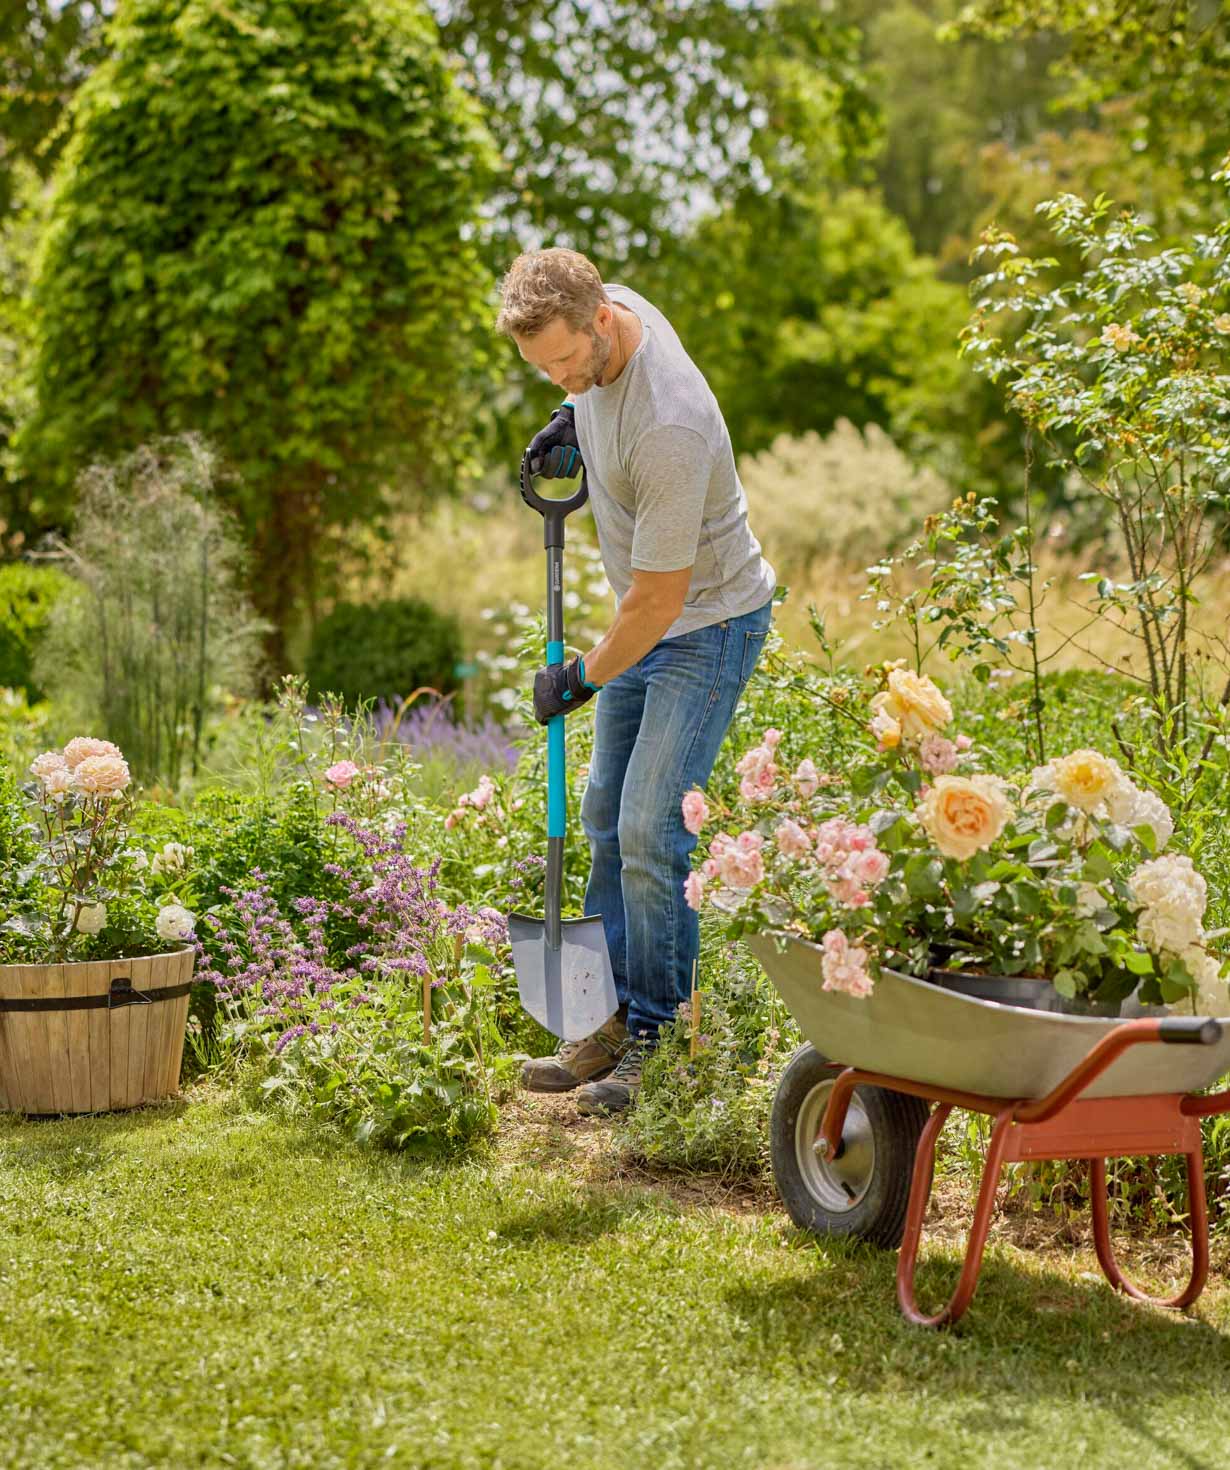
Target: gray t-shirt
x,y
662,479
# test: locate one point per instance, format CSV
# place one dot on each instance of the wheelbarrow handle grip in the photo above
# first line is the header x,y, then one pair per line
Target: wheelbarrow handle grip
x,y
1190,1030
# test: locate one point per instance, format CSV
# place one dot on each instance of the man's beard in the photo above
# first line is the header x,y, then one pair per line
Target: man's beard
x,y
599,356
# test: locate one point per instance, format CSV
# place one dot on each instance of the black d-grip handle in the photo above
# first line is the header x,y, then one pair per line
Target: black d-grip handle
x,y
1190,1030
551,507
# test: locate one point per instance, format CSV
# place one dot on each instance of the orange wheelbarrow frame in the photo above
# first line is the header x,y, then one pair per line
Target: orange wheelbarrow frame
x,y
1061,1125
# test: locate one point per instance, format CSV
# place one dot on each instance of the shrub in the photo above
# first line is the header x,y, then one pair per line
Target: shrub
x,y
16,848
159,628
707,1113
27,594
849,495
383,650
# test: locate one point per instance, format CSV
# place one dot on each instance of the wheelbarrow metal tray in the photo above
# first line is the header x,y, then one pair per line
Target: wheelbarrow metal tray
x,y
908,1028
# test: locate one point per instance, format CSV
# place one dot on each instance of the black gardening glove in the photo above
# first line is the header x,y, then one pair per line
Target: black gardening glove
x,y
554,452
561,687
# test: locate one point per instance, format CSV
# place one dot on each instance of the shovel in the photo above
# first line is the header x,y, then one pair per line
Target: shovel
x,y
563,968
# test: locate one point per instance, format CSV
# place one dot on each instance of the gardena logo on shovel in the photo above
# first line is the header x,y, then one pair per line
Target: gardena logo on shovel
x,y
564,975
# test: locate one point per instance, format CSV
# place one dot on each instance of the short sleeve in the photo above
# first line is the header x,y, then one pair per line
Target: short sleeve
x,y
671,468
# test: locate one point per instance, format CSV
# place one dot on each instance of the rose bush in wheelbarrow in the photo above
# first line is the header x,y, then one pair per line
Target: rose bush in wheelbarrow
x,y
920,861
1050,889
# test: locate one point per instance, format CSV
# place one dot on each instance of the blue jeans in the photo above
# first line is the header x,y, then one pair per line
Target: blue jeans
x,y
658,729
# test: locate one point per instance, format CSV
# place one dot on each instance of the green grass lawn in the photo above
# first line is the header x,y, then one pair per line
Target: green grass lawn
x,y
200,1285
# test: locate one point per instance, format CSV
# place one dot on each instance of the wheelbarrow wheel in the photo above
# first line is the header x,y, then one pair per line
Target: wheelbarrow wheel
x,y
864,1191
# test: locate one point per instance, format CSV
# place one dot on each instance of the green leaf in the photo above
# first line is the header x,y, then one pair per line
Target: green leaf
x,y
1056,814
923,875
1066,982
1026,898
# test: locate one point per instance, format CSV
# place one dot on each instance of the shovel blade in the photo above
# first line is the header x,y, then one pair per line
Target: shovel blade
x,y
569,990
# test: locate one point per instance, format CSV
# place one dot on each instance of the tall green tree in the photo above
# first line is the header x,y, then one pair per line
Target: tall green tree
x,y
1167,60
805,307
47,48
616,118
263,230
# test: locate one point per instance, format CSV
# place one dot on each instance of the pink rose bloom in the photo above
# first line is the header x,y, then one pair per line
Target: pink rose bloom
x,y
763,783
85,746
57,784
42,765
741,865
694,891
848,891
869,868
937,755
752,761
964,742
843,966
771,738
695,811
710,867
101,775
721,842
453,818
862,839
341,774
792,841
807,778
482,793
758,787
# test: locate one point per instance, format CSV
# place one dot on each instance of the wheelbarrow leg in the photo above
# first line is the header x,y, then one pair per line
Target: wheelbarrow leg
x,y
1199,1216
920,1193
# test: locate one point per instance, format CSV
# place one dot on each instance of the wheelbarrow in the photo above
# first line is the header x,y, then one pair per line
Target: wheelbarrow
x,y
859,1108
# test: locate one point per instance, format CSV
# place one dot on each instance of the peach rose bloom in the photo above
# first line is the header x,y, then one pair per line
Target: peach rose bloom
x,y
964,814
42,765
101,775
85,746
1086,778
914,702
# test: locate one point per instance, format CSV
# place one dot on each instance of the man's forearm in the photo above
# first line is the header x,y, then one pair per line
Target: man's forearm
x,y
639,623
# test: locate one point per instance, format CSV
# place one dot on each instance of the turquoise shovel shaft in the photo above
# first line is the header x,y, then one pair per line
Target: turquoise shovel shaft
x,y
557,795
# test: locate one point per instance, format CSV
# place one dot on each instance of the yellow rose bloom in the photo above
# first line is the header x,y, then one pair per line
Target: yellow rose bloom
x,y
1085,778
964,814
914,702
886,730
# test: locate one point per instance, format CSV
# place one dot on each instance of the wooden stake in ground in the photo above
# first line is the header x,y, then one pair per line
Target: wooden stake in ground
x,y
426,1009
695,1014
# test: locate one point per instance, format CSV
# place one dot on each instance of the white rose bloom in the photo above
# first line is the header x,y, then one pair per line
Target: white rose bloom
x,y
1130,806
1212,992
139,859
91,918
174,858
1170,882
1041,778
1169,930
174,921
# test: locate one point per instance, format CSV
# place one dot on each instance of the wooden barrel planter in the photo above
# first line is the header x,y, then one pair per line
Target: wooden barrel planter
x,y
93,1036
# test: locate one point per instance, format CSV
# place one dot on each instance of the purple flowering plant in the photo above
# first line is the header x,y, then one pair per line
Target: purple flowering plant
x,y
329,1002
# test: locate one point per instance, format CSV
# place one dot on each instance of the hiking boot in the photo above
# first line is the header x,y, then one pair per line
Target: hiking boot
x,y
619,1090
577,1062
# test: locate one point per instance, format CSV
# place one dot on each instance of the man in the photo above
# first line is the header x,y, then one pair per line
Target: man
x,y
694,604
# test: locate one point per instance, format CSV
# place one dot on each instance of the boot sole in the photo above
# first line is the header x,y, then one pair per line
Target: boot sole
x,y
555,1087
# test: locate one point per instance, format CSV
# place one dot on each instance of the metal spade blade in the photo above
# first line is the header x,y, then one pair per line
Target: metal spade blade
x,y
569,990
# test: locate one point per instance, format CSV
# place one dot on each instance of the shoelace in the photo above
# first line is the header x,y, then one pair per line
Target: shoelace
x,y
631,1062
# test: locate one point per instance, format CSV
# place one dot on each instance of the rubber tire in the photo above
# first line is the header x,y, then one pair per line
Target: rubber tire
x,y
895,1121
